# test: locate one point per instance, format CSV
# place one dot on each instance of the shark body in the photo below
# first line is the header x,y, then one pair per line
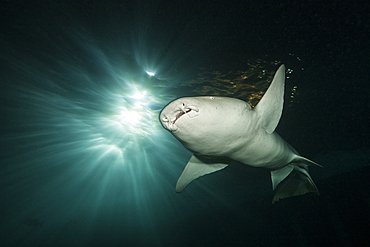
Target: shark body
x,y
221,129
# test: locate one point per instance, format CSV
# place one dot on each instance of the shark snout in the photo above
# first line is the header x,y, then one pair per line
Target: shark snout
x,y
169,115
168,119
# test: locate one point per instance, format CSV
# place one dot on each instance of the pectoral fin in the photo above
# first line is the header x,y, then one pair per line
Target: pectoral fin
x,y
196,167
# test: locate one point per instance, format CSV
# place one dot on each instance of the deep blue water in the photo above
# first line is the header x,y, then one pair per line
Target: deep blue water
x,y
85,162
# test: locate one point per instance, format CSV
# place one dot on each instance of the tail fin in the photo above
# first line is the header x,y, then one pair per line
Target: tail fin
x,y
293,180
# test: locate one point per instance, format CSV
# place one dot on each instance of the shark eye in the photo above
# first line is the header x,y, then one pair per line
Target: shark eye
x,y
211,98
183,104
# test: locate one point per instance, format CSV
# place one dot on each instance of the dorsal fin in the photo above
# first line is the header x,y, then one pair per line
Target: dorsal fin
x,y
270,106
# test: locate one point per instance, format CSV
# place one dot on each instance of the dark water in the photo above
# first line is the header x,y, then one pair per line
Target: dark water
x,y
85,162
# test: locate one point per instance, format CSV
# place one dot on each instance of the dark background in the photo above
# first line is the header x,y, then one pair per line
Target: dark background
x,y
326,43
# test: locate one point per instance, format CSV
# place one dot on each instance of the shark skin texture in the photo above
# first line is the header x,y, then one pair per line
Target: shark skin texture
x,y
219,130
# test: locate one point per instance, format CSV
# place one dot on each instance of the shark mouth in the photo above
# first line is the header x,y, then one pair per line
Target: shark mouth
x,y
182,112
169,123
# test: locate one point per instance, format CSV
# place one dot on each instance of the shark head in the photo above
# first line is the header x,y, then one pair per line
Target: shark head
x,y
176,110
204,124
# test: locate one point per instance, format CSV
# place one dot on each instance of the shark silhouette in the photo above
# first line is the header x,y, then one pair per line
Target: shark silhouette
x,y
221,129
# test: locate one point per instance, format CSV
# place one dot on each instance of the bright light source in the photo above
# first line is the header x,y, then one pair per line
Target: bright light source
x,y
131,117
138,105
150,73
139,95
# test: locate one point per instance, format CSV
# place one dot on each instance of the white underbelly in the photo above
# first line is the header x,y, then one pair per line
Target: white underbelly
x,y
265,150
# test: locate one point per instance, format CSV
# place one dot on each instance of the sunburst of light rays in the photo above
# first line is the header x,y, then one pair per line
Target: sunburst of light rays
x,y
81,141
83,137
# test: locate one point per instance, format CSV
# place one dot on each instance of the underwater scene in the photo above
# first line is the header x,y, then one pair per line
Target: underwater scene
x,y
184,123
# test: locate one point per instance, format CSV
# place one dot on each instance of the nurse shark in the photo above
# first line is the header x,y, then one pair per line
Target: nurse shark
x,y
219,130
